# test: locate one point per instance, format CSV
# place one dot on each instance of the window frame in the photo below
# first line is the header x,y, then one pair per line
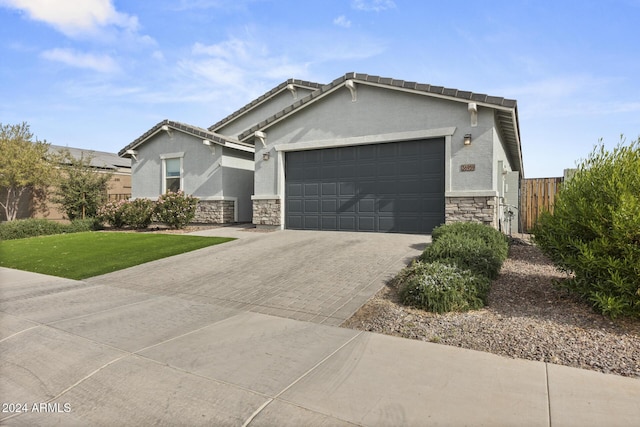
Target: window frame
x,y
172,156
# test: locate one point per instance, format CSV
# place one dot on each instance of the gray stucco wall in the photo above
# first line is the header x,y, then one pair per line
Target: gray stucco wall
x,y
383,111
211,173
237,180
268,108
201,170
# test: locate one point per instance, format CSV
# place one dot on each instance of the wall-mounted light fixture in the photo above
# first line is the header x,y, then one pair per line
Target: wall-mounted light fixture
x,y
266,156
467,139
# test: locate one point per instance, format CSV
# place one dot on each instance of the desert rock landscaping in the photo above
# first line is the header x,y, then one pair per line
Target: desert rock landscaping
x,y
526,317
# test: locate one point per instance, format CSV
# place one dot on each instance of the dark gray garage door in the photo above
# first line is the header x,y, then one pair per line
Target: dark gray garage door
x,y
391,187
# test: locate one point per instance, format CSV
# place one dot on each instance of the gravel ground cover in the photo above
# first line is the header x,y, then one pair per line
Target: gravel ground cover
x,y
527,317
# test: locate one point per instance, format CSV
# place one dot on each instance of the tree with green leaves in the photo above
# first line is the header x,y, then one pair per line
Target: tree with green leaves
x,y
80,188
25,169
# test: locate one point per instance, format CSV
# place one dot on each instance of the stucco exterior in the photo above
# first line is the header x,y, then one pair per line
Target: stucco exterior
x,y
242,157
213,173
378,114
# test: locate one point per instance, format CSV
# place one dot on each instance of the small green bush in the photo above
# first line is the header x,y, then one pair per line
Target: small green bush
x,y
594,230
441,288
468,251
138,213
176,209
32,227
496,240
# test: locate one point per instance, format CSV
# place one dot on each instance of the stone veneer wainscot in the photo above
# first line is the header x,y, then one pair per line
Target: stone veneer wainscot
x,y
476,209
215,211
266,212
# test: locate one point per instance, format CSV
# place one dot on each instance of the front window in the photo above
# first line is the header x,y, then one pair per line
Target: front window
x,y
172,176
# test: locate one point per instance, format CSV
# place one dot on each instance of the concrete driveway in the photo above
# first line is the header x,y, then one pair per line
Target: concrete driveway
x,y
211,338
321,277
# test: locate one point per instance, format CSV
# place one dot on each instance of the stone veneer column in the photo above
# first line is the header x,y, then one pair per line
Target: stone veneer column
x,y
266,212
215,211
482,209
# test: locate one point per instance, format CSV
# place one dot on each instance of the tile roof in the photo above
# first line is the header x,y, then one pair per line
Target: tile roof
x,y
186,128
99,159
264,97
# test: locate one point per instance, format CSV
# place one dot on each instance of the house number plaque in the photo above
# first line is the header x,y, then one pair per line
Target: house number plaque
x,y
468,168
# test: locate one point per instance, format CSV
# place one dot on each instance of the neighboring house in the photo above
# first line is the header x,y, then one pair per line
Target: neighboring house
x,y
103,162
366,153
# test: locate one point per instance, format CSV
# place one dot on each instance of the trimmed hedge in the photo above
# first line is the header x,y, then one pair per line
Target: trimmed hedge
x,y
31,227
454,273
441,288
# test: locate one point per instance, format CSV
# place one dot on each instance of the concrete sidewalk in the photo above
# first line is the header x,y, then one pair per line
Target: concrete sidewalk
x,y
100,354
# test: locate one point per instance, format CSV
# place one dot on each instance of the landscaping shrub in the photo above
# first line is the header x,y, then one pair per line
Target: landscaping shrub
x,y
138,213
81,225
594,230
441,288
492,237
113,213
176,209
480,249
32,227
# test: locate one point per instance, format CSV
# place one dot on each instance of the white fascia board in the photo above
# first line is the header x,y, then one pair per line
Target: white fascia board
x,y
240,147
472,193
368,139
265,197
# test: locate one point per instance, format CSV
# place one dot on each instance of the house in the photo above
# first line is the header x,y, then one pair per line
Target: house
x,y
366,153
119,186
210,164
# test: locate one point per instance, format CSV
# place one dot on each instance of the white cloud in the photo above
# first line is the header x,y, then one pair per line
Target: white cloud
x,y
158,55
342,21
101,63
373,5
75,17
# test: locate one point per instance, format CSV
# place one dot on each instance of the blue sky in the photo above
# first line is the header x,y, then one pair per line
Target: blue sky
x,y
97,74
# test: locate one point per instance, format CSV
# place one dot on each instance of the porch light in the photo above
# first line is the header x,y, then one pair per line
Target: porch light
x,y
265,156
467,139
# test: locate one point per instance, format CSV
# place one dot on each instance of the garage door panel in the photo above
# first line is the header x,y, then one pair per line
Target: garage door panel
x,y
366,223
347,206
347,222
311,222
329,189
311,190
366,206
329,206
347,189
294,190
390,187
346,153
311,206
329,222
294,206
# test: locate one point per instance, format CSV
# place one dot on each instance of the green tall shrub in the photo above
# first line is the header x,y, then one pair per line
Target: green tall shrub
x,y
594,230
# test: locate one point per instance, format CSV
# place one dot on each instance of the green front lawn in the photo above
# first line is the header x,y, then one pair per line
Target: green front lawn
x,y
82,255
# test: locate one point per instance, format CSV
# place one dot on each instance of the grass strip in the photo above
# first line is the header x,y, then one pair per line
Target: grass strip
x,y
82,255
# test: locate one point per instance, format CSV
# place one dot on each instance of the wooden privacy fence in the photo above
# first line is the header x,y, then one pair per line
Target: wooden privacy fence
x,y
537,195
